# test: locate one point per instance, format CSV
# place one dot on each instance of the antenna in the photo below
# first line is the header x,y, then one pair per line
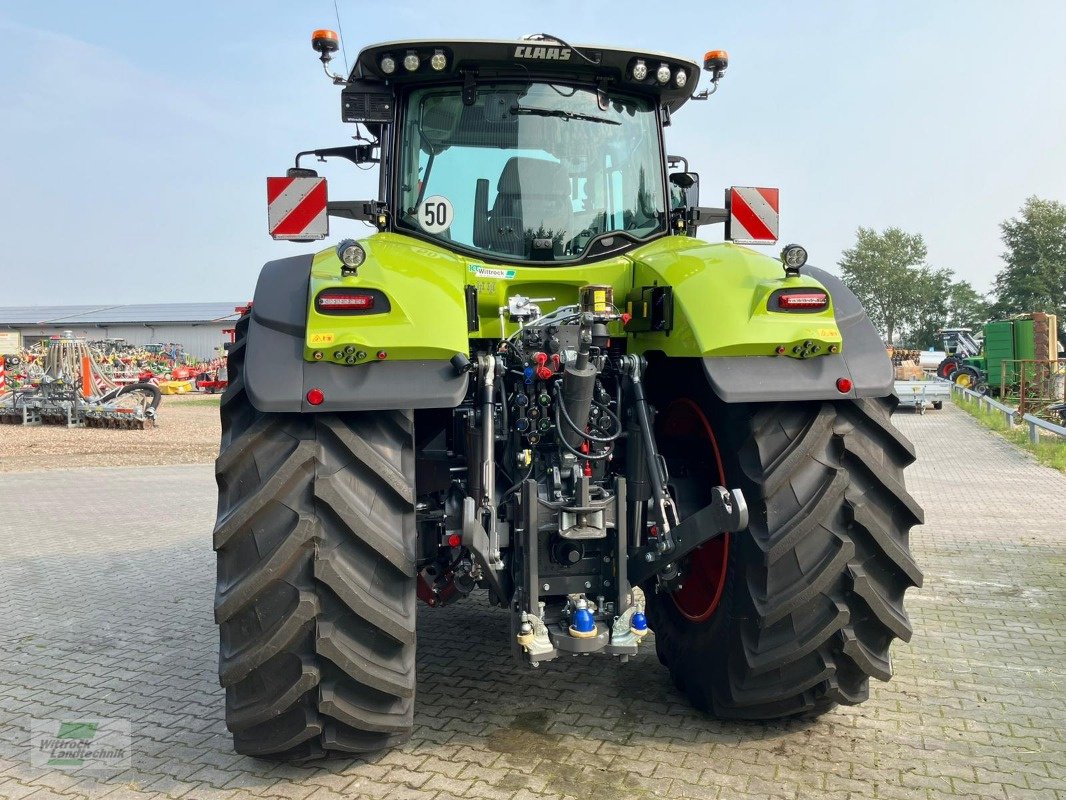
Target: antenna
x,y
340,30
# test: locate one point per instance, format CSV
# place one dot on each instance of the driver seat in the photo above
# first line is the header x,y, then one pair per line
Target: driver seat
x,y
532,202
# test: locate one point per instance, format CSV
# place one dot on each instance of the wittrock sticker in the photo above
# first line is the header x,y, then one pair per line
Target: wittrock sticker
x,y
435,214
489,272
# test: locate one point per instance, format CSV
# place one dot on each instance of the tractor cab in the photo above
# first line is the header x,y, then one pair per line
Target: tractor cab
x,y
530,171
529,152
959,342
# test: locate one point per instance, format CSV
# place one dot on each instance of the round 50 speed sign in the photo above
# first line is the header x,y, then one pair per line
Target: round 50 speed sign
x,y
435,214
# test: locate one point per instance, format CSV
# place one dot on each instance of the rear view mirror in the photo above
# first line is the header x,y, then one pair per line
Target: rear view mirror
x,y
684,189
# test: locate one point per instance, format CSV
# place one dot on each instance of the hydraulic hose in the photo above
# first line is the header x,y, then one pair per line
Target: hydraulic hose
x,y
592,437
573,450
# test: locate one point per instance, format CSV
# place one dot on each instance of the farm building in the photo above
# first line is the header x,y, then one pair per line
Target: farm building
x,y
198,327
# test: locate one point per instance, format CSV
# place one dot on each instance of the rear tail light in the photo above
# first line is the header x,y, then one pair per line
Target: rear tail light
x,y
799,301
337,300
345,302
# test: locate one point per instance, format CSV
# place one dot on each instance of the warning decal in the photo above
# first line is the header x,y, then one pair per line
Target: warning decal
x,y
296,208
753,215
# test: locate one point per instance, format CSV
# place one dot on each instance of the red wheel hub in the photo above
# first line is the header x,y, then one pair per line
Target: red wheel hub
x,y
701,590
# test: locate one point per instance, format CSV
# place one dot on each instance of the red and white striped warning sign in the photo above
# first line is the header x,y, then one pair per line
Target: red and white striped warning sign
x,y
296,208
753,215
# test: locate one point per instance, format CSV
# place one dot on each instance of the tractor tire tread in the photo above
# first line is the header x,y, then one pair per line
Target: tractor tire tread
x,y
819,577
315,598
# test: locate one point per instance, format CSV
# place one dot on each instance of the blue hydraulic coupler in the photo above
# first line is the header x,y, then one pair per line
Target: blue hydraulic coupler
x,y
583,625
639,623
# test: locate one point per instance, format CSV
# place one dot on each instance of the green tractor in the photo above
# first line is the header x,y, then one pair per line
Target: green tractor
x,y
533,384
1007,353
964,362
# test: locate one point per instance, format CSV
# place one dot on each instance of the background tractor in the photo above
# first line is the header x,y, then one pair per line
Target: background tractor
x,y
1008,352
534,384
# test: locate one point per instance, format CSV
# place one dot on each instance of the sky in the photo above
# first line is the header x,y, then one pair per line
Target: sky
x,y
137,136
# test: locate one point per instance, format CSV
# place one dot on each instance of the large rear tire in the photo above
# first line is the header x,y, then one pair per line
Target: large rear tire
x,y
316,584
813,594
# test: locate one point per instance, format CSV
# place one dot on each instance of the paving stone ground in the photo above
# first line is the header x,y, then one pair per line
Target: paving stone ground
x,y
106,580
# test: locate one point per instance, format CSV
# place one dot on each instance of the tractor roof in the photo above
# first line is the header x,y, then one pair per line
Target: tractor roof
x,y
539,59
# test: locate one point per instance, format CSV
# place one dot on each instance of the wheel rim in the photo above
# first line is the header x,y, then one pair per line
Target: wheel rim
x,y
701,591
948,368
963,379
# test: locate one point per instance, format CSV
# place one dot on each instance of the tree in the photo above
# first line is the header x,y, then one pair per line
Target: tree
x,y
887,273
1034,278
966,307
931,289
943,303
908,300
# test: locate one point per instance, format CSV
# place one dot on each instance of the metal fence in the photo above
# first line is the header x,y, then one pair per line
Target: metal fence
x,y
1033,384
1012,415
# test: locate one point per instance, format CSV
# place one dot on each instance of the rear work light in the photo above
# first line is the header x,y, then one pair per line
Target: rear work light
x,y
799,301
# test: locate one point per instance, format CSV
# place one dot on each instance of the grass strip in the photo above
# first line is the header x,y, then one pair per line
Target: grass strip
x,y
1051,451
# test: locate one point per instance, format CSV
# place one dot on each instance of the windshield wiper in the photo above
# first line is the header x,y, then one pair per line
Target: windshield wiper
x,y
558,112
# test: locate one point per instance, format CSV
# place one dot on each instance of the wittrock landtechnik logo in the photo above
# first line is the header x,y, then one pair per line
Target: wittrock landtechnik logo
x,y
84,744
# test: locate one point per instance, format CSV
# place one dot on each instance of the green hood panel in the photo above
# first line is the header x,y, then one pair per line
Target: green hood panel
x,y
424,284
495,284
426,288
720,295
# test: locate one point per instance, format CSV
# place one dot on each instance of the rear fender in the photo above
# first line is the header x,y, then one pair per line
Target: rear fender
x,y
750,353
722,303
277,375
863,361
